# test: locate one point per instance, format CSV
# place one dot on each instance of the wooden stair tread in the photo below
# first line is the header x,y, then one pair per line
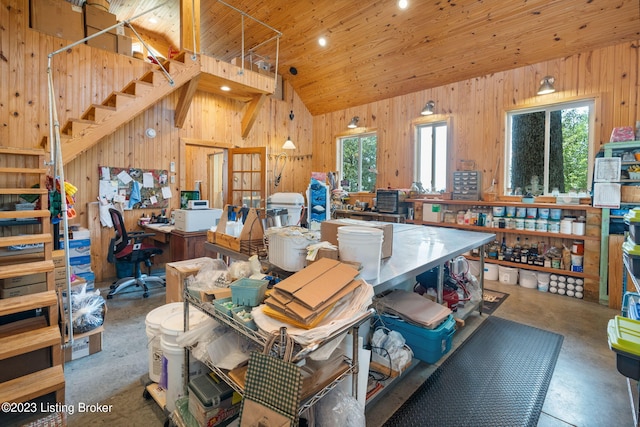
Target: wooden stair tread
x,y
33,385
16,270
28,341
22,170
28,302
25,214
22,151
28,190
24,239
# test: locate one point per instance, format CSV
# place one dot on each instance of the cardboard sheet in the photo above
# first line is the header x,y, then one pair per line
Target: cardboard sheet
x,y
414,308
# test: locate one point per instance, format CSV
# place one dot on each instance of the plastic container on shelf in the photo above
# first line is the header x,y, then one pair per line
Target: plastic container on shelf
x,y
428,345
508,275
553,226
510,211
532,213
288,246
530,224
624,338
555,214
632,219
528,279
490,271
498,211
249,292
566,225
543,213
521,212
542,225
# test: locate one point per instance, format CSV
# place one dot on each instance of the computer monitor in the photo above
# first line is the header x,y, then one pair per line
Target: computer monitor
x,y
185,196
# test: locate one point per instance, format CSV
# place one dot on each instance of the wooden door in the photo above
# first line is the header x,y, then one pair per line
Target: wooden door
x,y
247,177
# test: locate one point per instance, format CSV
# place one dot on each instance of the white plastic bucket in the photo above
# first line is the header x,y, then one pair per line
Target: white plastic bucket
x,y
528,279
508,275
490,271
171,327
153,320
363,245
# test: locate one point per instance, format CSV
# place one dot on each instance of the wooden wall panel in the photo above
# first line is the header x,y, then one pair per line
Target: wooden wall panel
x,y
477,109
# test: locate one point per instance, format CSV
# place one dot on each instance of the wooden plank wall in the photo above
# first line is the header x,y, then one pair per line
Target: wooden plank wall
x,y
476,107
477,110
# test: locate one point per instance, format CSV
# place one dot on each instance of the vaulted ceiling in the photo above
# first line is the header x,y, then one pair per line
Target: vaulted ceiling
x,y
376,51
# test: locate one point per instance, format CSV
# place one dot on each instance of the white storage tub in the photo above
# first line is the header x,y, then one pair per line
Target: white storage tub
x,y
288,246
528,279
508,275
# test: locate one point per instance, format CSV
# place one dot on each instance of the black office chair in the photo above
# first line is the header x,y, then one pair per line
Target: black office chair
x,y
130,248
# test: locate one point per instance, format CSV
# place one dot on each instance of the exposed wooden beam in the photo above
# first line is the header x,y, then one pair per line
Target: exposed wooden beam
x,y
253,108
190,25
184,101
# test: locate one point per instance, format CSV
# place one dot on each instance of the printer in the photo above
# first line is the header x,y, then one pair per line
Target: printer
x,y
188,220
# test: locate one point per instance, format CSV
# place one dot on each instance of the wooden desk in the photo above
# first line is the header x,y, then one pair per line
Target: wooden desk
x,y
187,245
162,231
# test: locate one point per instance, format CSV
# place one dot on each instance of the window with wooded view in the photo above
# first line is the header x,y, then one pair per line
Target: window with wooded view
x,y
549,146
358,154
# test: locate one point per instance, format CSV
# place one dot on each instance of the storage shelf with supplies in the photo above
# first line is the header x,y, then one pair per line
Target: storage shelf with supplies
x,y
349,366
590,239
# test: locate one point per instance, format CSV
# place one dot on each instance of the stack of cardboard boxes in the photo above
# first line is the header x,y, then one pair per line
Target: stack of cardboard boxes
x,y
79,257
23,285
60,18
96,19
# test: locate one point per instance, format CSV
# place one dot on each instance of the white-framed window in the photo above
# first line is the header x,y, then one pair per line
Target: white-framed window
x,y
548,148
431,155
357,157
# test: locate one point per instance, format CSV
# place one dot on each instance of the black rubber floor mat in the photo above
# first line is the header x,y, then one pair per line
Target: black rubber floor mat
x,y
491,300
498,377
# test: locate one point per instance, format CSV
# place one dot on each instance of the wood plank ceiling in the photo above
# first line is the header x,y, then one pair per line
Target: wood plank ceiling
x,y
376,50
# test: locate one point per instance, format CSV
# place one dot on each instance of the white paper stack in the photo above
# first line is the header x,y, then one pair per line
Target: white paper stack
x,y
413,308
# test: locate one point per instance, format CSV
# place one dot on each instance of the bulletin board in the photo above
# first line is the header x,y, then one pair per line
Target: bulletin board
x,y
135,188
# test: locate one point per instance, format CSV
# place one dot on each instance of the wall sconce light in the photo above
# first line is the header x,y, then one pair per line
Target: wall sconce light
x,y
353,123
288,144
546,85
428,108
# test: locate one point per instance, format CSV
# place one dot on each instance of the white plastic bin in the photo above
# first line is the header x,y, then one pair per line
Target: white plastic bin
x,y
153,321
528,279
490,271
508,275
288,246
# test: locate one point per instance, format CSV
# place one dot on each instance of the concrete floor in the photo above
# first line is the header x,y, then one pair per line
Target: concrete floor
x,y
586,388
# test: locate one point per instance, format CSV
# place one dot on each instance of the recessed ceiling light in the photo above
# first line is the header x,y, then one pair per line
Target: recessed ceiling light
x,y
225,88
403,4
153,20
322,41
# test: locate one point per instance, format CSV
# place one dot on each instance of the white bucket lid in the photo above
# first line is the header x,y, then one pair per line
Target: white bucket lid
x,y
354,230
157,315
174,324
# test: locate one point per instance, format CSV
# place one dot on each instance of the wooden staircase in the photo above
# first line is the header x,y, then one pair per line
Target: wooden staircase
x,y
100,120
20,338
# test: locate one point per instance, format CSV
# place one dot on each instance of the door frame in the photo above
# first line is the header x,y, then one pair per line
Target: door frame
x,y
199,143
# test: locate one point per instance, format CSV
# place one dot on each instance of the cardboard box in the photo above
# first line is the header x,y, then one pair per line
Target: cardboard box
x,y
96,17
60,273
58,258
23,290
78,247
106,41
84,345
57,18
329,232
28,279
431,212
177,272
124,45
